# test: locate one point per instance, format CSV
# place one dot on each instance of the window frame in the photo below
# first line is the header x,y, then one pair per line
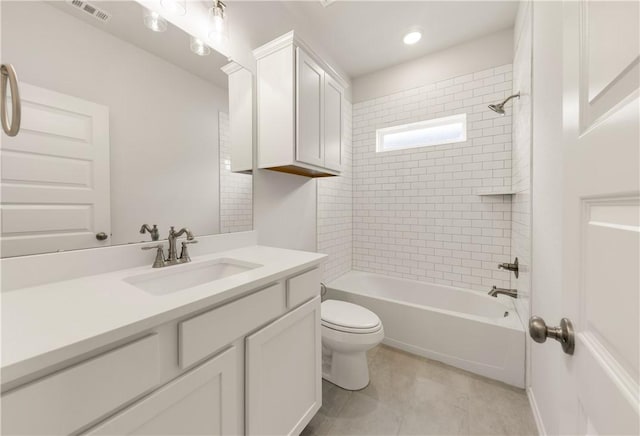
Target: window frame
x,y
434,122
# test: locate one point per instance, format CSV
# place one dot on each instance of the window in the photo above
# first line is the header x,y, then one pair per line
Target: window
x,y
446,130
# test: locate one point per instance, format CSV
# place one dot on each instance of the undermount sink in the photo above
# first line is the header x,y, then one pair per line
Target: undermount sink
x,y
178,277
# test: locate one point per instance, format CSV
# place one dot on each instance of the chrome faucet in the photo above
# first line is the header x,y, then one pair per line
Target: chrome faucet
x,y
172,257
513,293
155,234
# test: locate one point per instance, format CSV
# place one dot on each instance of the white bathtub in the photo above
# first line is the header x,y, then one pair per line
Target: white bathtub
x,y
466,329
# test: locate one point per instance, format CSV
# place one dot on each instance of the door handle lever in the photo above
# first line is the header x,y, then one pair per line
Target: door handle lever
x,y
564,334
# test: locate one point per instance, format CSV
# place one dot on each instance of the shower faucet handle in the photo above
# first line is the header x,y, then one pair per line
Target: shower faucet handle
x,y
511,267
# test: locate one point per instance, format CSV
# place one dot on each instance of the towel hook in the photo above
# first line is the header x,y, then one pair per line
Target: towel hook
x,y
8,75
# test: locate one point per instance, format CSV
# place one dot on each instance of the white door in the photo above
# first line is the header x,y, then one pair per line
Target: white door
x,y
201,402
284,373
309,110
601,222
55,175
332,124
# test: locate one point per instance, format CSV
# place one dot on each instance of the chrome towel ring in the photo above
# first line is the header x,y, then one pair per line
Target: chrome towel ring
x,y
8,75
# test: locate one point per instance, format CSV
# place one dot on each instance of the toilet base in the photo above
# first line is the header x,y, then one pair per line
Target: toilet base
x,y
349,371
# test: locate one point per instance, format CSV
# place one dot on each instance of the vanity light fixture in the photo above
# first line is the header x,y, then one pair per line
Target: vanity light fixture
x,y
154,20
218,22
412,37
174,7
199,47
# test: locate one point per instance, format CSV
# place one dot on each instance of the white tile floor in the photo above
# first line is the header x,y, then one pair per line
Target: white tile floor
x,y
410,395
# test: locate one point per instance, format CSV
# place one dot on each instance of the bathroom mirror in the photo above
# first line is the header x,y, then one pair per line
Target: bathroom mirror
x,y
121,126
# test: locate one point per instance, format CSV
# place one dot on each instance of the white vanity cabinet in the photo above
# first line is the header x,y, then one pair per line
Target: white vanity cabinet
x,y
300,109
252,364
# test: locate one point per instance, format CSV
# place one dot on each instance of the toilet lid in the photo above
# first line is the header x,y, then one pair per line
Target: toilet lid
x,y
341,315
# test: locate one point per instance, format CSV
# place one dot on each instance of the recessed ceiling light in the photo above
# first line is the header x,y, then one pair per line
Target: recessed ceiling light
x,y
412,37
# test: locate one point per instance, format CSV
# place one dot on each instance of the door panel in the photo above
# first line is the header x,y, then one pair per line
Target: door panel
x,y
55,175
601,225
609,56
284,376
332,124
309,113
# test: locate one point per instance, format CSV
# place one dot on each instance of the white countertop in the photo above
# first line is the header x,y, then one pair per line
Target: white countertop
x,y
48,324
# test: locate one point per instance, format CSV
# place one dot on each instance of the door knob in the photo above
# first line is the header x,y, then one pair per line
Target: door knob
x,y
564,334
101,236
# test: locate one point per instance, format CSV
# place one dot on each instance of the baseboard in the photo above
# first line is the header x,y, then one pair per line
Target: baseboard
x,y
536,413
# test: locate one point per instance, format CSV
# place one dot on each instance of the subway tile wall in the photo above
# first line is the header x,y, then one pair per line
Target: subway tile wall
x,y
236,198
521,171
335,212
416,214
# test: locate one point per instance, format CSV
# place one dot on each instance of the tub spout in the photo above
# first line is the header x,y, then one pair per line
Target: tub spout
x,y
513,293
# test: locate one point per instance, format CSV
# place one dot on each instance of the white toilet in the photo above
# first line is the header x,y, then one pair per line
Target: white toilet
x,y
348,331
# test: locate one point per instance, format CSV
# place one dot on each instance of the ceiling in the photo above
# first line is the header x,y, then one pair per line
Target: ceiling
x,y
171,45
359,37
365,36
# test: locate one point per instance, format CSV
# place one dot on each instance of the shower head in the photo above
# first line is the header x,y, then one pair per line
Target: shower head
x,y
499,108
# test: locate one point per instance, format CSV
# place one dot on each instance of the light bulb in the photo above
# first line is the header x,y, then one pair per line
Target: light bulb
x,y
174,7
412,37
199,47
218,23
154,20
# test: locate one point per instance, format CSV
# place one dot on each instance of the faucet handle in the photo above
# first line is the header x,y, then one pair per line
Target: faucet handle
x,y
159,261
184,254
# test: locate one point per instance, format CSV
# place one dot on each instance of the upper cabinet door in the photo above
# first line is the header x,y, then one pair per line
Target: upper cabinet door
x,y
332,124
241,120
309,116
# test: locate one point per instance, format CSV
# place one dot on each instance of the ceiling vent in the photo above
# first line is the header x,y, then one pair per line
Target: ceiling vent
x,y
86,7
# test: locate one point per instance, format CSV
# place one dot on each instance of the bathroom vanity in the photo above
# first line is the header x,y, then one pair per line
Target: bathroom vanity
x,y
116,353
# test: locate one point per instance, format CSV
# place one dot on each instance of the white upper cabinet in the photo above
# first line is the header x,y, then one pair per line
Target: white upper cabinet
x,y
240,117
300,102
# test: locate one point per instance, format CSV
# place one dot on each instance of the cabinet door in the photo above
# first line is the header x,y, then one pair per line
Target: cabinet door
x,y
202,401
309,110
284,378
241,120
332,124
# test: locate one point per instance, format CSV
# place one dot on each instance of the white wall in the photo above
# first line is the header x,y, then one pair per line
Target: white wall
x,y
547,169
163,120
480,54
415,211
335,210
284,210
521,157
236,200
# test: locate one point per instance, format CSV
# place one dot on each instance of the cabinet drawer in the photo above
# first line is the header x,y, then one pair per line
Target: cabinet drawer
x,y
207,333
303,287
74,397
201,402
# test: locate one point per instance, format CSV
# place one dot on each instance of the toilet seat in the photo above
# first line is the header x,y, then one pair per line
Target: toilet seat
x,y
349,317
